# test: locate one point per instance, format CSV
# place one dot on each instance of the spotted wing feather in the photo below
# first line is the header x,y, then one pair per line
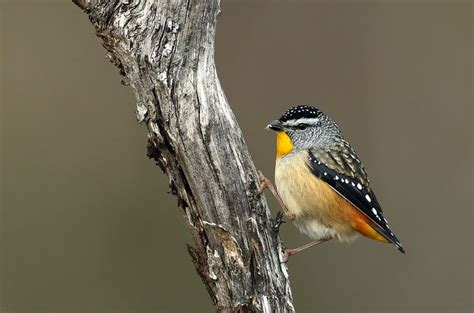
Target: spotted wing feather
x,y
343,171
342,158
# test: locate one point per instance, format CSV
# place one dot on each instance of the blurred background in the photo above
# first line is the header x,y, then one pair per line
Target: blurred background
x,y
86,222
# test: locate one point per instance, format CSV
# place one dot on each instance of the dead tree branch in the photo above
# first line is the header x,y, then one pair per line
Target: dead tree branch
x,y
165,51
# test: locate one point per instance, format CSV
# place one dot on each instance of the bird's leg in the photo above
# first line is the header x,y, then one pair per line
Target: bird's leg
x,y
266,183
290,252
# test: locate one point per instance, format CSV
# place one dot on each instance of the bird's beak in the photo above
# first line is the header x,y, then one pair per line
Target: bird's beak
x,y
275,125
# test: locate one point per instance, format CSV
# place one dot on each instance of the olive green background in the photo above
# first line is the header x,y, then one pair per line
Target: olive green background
x,y
87,224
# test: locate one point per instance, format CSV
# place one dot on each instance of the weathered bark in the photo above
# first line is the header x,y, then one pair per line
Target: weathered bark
x,y
165,50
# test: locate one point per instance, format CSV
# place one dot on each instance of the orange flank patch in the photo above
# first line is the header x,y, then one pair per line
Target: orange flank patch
x,y
284,145
361,225
358,220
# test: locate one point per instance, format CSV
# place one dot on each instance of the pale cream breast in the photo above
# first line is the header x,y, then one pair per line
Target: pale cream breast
x,y
319,210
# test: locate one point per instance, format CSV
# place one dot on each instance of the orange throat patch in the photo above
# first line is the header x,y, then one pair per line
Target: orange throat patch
x,y
284,145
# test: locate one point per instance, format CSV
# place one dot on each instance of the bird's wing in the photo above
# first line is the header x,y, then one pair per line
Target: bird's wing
x,y
341,169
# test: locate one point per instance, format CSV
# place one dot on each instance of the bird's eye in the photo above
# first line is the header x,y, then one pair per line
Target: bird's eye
x,y
301,126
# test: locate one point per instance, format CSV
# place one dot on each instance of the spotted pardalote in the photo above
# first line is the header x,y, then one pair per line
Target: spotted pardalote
x,y
321,181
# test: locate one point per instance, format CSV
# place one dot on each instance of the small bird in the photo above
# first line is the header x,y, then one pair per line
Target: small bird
x,y
321,183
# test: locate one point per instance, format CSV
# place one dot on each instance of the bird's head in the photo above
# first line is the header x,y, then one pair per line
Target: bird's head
x,y
303,127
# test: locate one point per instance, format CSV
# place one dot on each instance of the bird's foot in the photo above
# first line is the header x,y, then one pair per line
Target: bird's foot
x,y
290,252
278,221
286,254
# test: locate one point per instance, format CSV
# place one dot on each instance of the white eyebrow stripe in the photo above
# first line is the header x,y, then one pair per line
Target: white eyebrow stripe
x,y
304,120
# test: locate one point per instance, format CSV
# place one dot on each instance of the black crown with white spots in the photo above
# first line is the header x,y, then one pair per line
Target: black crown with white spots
x,y
300,111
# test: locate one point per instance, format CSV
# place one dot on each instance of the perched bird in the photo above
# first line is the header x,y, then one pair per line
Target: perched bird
x,y
321,183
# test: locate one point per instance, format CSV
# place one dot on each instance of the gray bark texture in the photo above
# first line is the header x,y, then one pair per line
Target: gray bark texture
x,y
165,51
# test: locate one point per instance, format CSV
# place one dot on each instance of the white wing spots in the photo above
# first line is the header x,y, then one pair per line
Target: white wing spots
x,y
376,214
372,210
